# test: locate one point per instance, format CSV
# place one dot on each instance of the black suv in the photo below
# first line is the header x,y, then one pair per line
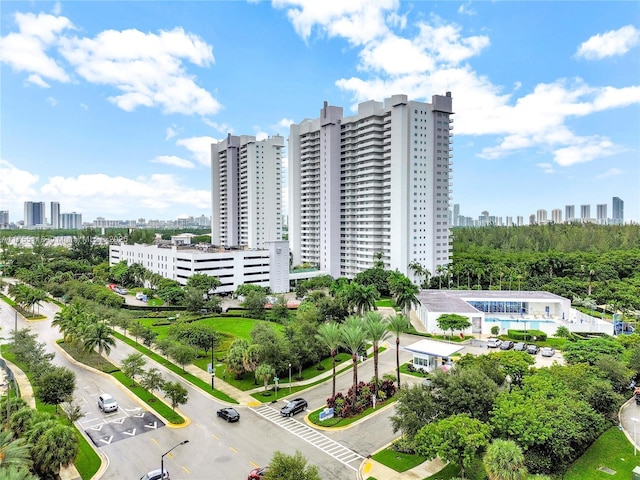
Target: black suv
x,y
293,406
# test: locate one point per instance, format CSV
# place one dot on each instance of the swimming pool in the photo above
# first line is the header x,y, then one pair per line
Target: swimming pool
x,y
518,323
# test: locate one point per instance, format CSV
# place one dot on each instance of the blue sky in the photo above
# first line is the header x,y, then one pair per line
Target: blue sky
x,y
110,107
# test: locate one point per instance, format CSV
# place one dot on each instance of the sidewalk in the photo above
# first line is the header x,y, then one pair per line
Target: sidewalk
x,y
371,468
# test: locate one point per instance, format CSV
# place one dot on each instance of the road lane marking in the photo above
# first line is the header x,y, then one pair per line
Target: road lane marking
x,y
254,464
154,441
215,436
233,450
186,469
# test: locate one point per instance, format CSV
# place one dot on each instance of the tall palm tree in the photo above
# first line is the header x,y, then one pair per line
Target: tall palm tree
x,y
330,338
353,339
68,319
405,296
397,325
13,452
376,331
98,335
365,297
504,461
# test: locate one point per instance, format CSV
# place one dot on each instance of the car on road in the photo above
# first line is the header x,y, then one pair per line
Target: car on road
x,y
547,352
107,403
294,406
494,342
155,475
533,349
506,345
520,347
257,473
229,414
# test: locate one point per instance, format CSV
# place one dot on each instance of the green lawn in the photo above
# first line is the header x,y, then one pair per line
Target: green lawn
x,y
404,369
400,462
612,450
385,302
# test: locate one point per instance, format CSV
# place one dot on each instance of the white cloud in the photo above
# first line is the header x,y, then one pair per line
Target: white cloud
x,y
465,9
147,68
285,123
117,195
359,21
200,148
52,101
171,132
546,167
15,184
586,149
174,161
26,51
612,172
609,44
37,80
220,127
261,136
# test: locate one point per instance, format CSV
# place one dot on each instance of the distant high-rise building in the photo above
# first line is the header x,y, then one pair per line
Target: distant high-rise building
x,y
355,182
456,214
71,221
556,215
4,218
618,211
541,216
246,191
532,219
34,214
569,213
601,213
509,221
55,215
585,213
520,221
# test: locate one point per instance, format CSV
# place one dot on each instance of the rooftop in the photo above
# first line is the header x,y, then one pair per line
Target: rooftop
x,y
456,300
433,348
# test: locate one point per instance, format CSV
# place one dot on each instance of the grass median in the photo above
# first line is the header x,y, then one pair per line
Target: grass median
x,y
336,422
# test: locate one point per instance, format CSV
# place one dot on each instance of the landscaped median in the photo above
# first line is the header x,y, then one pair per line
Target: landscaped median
x,y
93,360
204,386
339,422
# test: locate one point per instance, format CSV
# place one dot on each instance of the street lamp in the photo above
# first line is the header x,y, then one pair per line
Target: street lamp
x,y
289,377
162,475
635,438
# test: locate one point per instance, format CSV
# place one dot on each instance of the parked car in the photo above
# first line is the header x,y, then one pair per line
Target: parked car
x,y
155,475
229,414
533,349
257,473
293,406
506,345
520,347
547,352
107,403
494,343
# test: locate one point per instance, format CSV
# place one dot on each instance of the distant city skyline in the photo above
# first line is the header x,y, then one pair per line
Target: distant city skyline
x,y
545,109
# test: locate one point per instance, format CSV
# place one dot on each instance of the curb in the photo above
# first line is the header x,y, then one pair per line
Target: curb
x,y
346,427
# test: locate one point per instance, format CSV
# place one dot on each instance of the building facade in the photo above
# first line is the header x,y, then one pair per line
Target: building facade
x,y
617,211
55,215
601,213
71,221
34,214
585,213
556,215
246,191
377,182
266,268
570,213
4,218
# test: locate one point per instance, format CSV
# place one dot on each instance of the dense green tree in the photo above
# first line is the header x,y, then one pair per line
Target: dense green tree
x,y
415,408
152,380
133,365
264,373
279,311
56,447
290,467
56,385
254,302
457,439
452,321
205,283
515,364
177,394
273,348
182,354
236,355
591,350
98,335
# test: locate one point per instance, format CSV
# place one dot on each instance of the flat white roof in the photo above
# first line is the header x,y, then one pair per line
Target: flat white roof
x,y
436,349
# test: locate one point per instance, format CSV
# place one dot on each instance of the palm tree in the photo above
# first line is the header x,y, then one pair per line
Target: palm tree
x,y
397,325
58,446
329,336
353,339
365,297
98,335
17,473
405,296
504,461
13,452
440,272
376,332
68,319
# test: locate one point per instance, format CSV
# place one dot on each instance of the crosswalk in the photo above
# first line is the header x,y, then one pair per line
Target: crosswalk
x,y
311,436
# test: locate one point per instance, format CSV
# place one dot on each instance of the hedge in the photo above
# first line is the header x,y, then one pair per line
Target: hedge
x,y
527,335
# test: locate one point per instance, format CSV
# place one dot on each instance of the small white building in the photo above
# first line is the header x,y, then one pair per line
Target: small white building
x,y
507,309
429,355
